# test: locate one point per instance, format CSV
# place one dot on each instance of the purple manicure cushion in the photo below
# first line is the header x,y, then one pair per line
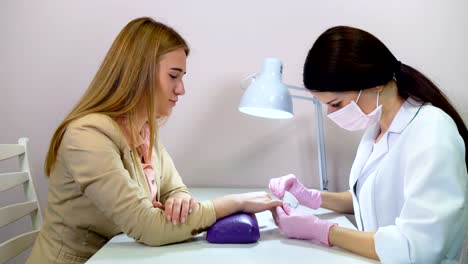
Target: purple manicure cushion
x,y
238,228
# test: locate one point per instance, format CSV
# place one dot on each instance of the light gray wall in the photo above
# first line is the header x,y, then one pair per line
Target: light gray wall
x,y
50,50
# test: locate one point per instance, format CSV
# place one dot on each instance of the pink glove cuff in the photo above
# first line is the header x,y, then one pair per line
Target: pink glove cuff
x,y
325,231
308,197
315,200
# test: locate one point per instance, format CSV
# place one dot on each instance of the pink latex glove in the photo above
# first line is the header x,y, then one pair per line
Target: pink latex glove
x,y
308,197
295,223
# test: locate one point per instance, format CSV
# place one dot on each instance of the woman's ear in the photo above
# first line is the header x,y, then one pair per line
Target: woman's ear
x,y
379,89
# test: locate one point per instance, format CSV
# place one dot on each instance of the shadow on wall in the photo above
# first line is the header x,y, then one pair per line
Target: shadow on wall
x,y
341,151
267,155
226,148
246,155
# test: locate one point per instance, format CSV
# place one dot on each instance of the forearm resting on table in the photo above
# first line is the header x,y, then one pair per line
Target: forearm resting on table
x,y
358,242
341,202
226,205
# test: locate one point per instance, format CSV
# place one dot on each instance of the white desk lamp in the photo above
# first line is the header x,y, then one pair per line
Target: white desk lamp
x,y
267,96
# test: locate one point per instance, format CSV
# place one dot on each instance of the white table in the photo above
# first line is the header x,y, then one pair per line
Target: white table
x,y
272,246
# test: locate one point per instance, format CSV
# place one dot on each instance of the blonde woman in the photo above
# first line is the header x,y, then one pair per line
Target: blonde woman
x,y
108,174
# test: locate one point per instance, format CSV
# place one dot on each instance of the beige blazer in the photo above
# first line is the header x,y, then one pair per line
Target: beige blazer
x,y
97,190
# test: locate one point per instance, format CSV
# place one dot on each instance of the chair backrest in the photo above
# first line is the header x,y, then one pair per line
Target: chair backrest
x,y
9,214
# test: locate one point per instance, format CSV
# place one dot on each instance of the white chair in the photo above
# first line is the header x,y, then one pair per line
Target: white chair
x,y
13,212
464,253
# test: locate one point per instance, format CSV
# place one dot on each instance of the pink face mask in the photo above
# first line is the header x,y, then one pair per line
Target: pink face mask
x,y
352,118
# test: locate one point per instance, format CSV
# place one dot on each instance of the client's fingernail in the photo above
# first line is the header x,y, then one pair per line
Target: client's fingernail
x,y
174,222
190,210
168,218
182,220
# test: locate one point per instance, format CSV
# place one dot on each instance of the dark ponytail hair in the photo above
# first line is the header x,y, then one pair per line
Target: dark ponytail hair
x,y
350,59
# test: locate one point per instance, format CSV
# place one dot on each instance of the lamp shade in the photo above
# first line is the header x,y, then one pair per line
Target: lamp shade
x,y
267,96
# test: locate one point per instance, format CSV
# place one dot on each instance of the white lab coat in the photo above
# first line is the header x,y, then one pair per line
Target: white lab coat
x,y
415,194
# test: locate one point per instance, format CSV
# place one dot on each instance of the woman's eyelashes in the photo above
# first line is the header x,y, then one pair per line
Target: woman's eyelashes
x,y
173,76
335,104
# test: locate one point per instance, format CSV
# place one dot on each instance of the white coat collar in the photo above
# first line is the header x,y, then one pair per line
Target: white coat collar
x,y
405,115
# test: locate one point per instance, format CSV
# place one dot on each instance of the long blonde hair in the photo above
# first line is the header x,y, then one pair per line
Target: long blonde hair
x,y
126,78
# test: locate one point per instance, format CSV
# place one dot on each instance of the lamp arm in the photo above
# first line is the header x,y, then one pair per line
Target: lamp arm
x,y
319,126
296,87
321,145
303,97
322,160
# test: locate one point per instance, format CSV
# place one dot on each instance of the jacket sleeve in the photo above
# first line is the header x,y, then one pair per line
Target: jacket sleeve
x,y
94,161
171,182
433,213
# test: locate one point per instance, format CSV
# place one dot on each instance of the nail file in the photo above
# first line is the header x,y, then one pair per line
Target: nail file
x,y
289,199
